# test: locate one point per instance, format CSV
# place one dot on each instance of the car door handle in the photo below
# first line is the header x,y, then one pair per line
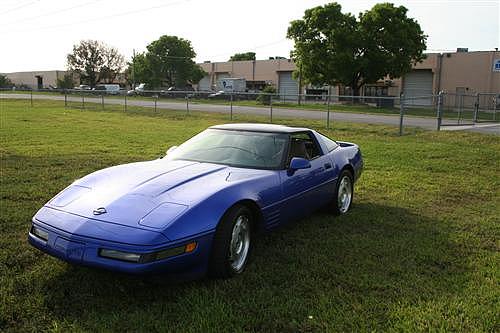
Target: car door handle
x,y
328,166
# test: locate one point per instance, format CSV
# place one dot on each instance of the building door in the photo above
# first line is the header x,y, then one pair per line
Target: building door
x,y
418,83
288,87
39,82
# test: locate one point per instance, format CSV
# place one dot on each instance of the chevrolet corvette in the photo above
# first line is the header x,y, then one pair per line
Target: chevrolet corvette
x,y
198,209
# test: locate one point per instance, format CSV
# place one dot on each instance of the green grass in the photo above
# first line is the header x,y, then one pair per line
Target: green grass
x,y
418,252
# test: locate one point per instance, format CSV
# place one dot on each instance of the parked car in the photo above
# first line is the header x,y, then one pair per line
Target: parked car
x,y
139,90
111,89
217,95
198,209
82,87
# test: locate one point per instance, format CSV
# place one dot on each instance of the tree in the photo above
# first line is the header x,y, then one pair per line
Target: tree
x,y
138,70
66,82
95,61
336,48
5,82
167,62
266,94
243,56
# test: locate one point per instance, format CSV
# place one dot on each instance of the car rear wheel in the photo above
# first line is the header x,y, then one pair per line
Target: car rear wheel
x,y
232,243
344,193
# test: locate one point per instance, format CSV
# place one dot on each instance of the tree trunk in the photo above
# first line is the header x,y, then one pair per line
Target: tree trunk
x,y
355,92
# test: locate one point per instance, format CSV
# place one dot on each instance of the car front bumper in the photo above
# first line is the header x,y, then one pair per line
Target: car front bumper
x,y
84,251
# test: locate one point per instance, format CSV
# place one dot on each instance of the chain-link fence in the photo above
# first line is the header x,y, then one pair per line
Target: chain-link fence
x,y
432,111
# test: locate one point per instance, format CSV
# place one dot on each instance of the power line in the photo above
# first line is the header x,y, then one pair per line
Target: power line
x,y
106,17
51,13
19,7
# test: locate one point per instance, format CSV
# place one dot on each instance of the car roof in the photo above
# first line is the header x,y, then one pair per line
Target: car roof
x,y
270,128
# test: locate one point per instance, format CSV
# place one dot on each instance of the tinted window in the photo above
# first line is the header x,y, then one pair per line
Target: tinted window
x,y
303,145
330,144
235,148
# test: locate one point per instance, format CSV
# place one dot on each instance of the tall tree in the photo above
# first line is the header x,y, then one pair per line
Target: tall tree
x,y
167,62
5,82
95,61
243,56
333,48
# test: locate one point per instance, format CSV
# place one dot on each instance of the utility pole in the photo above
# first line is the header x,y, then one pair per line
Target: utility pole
x,y
133,69
300,81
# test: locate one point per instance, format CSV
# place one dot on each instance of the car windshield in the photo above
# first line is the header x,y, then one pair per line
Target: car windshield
x,y
236,148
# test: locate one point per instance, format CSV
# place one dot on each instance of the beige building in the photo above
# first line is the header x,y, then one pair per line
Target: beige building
x,y
37,79
455,72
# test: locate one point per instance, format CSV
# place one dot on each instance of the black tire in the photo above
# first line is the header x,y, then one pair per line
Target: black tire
x,y
221,265
339,208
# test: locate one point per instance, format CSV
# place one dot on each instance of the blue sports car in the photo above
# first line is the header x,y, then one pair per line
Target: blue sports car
x,y
198,209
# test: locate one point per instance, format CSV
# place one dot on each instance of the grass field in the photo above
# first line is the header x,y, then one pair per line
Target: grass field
x,y
418,252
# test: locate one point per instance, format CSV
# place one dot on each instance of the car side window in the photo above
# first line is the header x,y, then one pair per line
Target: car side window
x,y
303,145
330,144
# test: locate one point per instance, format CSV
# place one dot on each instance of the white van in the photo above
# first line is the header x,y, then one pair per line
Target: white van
x,y
112,89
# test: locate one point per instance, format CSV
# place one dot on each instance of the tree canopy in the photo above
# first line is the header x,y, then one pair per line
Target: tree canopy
x,y
333,48
168,62
5,82
95,62
243,56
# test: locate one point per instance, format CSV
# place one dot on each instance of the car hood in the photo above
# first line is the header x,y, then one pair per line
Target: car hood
x,y
126,194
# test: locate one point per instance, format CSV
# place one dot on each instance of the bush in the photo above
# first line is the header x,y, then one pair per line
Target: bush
x,y
66,82
265,95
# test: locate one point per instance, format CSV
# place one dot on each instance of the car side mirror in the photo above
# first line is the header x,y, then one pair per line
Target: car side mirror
x,y
299,163
171,149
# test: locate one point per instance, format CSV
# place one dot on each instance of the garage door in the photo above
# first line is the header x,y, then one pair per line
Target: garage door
x,y
418,83
204,84
220,77
288,87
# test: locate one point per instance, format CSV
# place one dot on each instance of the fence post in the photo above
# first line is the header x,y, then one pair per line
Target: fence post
x,y
102,101
31,97
187,103
125,104
401,113
495,101
65,98
460,108
328,111
83,101
156,100
476,108
231,105
271,106
439,110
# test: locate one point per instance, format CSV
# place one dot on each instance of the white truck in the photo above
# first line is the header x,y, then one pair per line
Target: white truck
x,y
229,85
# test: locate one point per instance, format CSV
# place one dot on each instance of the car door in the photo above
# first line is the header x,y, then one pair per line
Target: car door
x,y
307,189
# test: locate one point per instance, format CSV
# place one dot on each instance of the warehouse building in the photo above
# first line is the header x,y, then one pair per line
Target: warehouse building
x,y
36,79
458,72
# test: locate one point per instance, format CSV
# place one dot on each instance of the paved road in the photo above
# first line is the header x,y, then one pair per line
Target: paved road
x,y
426,123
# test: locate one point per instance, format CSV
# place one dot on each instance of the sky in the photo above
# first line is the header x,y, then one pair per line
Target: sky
x,y
38,34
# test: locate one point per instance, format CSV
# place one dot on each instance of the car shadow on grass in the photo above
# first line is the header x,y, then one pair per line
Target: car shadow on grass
x,y
362,271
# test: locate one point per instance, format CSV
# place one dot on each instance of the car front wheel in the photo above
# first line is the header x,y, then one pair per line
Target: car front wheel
x,y
232,243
